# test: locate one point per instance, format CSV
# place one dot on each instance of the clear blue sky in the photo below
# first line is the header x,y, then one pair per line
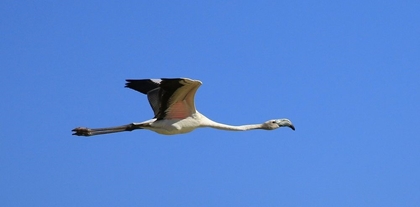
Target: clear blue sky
x,y
346,74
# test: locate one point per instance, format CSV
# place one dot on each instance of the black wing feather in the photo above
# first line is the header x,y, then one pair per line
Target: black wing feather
x,y
158,91
142,86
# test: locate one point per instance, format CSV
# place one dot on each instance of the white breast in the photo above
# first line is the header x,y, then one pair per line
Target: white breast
x,y
174,126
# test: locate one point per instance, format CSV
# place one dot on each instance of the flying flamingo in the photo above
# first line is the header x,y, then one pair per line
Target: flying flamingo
x,y
172,101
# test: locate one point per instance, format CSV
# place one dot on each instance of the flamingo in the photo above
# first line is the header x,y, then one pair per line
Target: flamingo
x,y
172,102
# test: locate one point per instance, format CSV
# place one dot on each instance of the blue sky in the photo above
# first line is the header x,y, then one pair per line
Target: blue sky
x,y
346,73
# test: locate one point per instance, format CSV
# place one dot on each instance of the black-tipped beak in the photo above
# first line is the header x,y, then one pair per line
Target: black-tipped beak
x,y
292,127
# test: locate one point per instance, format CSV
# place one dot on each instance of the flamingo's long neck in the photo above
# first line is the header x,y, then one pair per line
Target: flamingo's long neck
x,y
206,122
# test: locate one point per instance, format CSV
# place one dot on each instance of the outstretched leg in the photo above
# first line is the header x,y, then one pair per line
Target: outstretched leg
x,y
83,131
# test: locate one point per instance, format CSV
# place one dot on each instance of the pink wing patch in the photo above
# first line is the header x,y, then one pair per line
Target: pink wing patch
x,y
178,110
